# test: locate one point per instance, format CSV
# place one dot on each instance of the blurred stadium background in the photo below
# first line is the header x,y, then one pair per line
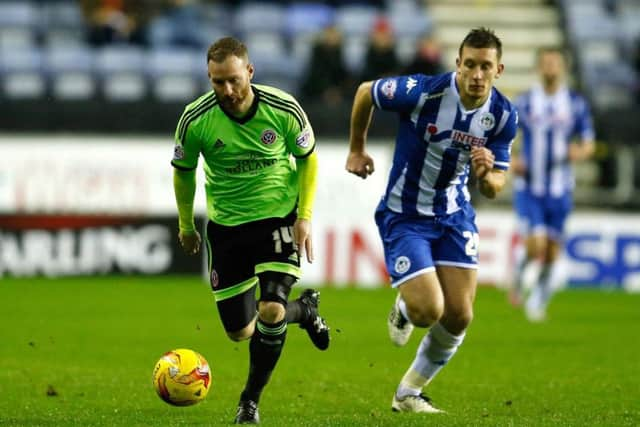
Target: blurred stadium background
x,y
90,93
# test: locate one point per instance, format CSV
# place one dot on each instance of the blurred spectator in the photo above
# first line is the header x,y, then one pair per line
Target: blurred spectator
x,y
327,76
380,59
111,21
427,59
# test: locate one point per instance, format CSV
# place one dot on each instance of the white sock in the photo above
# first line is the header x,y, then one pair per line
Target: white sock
x,y
541,293
411,384
436,348
557,275
519,269
551,278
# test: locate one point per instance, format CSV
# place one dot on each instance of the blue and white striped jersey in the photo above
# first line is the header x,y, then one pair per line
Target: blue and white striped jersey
x,y
548,124
431,162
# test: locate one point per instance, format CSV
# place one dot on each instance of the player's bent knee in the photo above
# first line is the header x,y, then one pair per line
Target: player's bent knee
x,y
552,253
425,315
535,252
536,248
464,320
458,321
270,311
276,287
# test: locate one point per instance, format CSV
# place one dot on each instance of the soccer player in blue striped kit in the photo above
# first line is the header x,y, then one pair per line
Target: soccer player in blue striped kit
x,y
450,125
557,130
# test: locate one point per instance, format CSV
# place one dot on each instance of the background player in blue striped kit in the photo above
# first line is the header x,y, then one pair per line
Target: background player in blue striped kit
x,y
450,125
556,130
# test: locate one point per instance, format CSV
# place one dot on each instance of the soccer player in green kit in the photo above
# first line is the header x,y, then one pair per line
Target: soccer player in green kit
x,y
260,166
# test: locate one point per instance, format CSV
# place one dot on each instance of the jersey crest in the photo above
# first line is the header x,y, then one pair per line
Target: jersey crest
x,y
178,152
268,136
486,120
389,88
304,140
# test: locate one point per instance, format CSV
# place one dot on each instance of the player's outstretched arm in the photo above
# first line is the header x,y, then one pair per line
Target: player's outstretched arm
x,y
184,187
307,179
359,162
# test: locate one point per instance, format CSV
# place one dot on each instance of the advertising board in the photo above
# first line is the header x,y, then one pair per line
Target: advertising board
x,y
128,181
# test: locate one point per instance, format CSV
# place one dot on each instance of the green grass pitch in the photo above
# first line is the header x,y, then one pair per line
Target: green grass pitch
x,y
80,352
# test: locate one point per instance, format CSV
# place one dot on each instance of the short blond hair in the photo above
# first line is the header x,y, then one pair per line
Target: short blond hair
x,y
225,47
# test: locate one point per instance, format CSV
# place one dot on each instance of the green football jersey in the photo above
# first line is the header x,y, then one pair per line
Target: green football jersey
x,y
248,162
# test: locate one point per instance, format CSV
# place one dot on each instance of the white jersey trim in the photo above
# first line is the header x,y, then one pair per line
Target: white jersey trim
x,y
376,101
415,114
394,201
457,264
412,275
503,122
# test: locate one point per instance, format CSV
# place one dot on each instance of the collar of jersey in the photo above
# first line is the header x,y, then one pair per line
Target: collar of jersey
x,y
454,88
562,90
252,110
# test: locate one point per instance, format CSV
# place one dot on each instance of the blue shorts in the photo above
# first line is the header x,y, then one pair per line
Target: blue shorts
x,y
542,215
414,245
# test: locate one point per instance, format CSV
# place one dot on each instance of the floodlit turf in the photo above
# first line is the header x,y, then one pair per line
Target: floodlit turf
x,y
80,352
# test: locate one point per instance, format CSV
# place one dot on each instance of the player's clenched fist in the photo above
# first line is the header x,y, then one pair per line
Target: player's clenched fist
x,y
360,163
190,242
482,161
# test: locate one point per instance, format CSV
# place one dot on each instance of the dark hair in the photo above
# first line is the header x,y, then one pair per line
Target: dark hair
x,y
482,38
225,47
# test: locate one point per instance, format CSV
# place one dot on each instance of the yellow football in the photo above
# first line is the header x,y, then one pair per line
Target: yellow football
x,y
182,377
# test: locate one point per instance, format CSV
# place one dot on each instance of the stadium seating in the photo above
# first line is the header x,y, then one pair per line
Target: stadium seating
x,y
22,14
70,72
604,40
55,59
259,17
173,73
356,20
279,38
21,74
121,71
307,18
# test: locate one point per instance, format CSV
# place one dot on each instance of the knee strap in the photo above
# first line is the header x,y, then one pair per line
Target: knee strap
x,y
276,287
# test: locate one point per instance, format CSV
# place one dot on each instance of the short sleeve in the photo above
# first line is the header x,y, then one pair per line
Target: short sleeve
x,y
500,143
400,94
187,146
300,138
